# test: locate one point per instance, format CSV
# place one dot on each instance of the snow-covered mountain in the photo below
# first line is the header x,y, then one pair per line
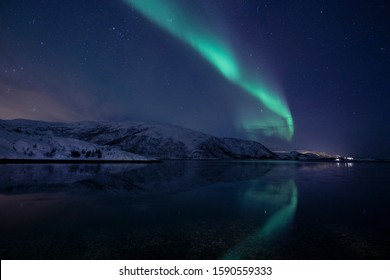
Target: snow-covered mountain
x,y
34,140
121,140
304,155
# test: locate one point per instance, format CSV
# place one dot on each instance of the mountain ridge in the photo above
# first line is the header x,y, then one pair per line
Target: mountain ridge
x,y
29,139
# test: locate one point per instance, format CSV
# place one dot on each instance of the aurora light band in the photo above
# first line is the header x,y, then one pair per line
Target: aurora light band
x,y
170,16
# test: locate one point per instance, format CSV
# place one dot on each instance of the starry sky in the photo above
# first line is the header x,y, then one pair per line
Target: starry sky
x,y
324,63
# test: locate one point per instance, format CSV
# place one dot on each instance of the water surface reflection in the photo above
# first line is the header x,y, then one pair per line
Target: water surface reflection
x,y
194,209
191,210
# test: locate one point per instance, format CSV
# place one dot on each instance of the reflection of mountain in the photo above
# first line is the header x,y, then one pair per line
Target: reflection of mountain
x,y
79,178
133,179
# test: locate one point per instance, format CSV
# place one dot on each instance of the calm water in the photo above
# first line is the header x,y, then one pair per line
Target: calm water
x,y
195,210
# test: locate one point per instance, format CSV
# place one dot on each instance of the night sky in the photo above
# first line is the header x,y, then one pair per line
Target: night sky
x,y
226,67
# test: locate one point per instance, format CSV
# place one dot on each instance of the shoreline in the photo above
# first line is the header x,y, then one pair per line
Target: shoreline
x,y
103,161
78,161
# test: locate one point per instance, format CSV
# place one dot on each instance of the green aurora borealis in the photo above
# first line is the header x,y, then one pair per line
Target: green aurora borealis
x,y
170,16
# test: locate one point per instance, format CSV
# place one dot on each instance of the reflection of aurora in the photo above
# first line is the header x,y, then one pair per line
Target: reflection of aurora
x,y
171,17
285,198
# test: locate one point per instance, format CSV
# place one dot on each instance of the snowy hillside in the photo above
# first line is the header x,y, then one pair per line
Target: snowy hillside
x,y
27,140
304,155
123,140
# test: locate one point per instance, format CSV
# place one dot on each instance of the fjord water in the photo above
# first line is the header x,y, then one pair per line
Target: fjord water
x,y
195,210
